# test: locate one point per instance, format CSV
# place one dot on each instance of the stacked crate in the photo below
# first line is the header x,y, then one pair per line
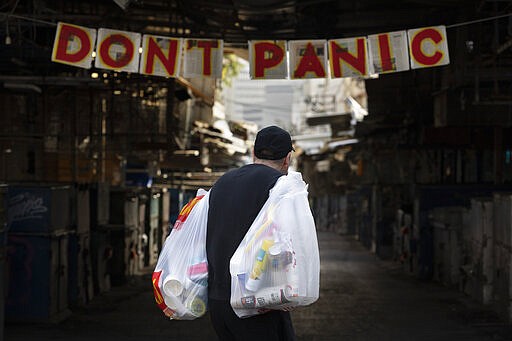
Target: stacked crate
x,y
447,224
37,252
502,279
165,216
478,251
153,228
81,289
3,239
142,243
321,212
123,233
404,241
99,206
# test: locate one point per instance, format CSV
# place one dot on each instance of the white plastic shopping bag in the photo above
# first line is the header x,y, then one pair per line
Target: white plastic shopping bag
x,y
277,264
180,278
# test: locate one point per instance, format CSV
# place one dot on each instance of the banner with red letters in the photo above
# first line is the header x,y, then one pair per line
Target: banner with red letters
x,y
268,59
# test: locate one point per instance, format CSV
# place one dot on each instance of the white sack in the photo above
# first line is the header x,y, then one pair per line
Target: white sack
x,y
277,264
180,278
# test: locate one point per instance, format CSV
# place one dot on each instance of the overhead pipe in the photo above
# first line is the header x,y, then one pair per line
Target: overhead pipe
x,y
23,86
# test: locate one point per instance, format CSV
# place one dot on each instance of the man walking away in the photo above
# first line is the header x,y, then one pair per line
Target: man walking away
x,y
235,201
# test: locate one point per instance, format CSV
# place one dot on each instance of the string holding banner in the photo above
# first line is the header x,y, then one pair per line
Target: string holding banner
x,y
464,23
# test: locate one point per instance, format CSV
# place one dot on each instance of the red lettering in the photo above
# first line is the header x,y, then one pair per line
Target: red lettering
x,y
66,35
155,278
156,290
185,211
274,56
385,52
309,63
207,46
339,54
124,59
169,61
417,51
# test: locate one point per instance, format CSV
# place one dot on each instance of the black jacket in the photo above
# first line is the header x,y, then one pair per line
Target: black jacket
x,y
235,201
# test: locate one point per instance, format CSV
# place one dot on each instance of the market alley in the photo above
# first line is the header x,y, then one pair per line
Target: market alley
x,y
361,298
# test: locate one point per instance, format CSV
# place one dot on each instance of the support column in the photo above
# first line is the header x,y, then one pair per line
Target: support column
x,y
169,115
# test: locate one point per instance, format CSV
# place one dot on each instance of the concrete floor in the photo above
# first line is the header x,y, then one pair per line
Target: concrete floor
x,y
361,298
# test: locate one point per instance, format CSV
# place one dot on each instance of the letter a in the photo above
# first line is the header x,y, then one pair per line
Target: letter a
x,y
305,59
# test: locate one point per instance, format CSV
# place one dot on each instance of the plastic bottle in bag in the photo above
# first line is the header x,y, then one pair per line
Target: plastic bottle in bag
x,y
279,257
259,266
196,303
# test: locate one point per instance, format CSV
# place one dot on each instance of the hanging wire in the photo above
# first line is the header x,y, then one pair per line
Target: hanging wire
x,y
479,20
7,15
8,39
13,8
10,15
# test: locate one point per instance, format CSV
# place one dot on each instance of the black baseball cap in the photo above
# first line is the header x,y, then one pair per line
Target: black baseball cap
x,y
272,143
